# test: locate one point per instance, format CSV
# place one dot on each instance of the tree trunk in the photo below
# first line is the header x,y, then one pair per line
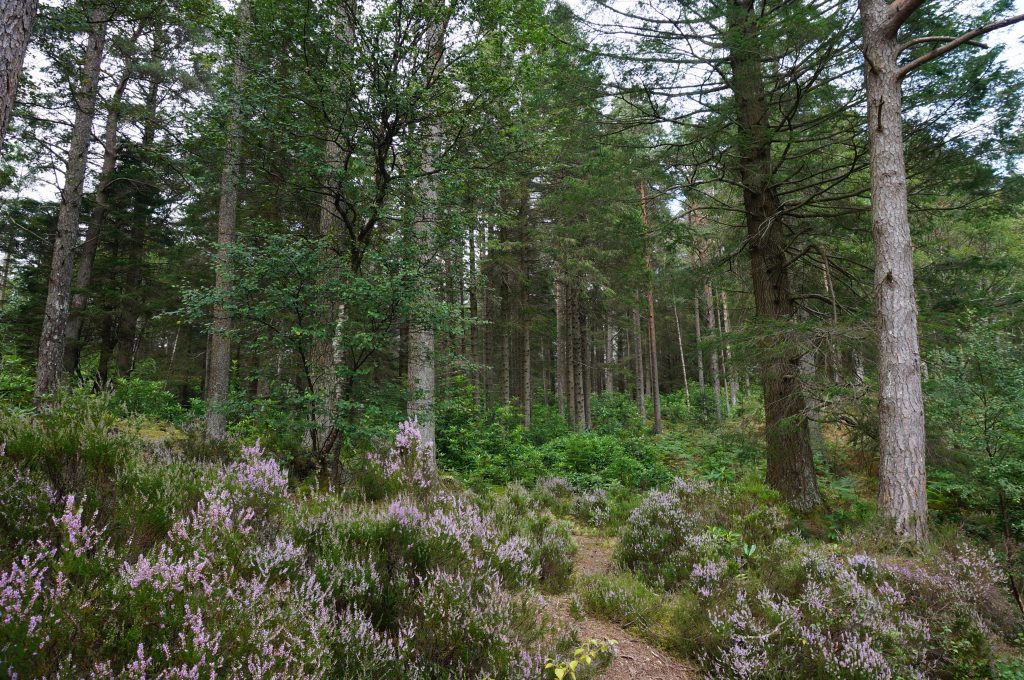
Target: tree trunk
x,y
609,357
527,379
421,335
734,383
17,17
83,277
901,433
639,349
579,352
682,354
218,375
55,315
700,350
560,346
652,335
790,467
709,320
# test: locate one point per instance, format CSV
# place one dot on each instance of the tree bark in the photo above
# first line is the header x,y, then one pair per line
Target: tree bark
x,y
421,335
734,384
709,320
682,354
55,315
901,433
697,334
652,335
640,349
609,357
561,382
790,467
218,372
83,276
17,18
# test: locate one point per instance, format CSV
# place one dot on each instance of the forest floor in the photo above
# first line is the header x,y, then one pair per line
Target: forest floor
x,y
634,657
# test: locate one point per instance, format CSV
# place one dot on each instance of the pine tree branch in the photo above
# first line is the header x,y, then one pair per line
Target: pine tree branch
x,y
963,39
899,12
937,38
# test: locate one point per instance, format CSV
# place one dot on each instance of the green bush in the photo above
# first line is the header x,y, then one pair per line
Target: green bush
x,y
147,398
621,598
588,460
616,414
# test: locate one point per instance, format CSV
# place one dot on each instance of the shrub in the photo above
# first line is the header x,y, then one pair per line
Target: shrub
x,y
615,414
672,531
621,598
591,507
148,398
239,575
588,459
555,494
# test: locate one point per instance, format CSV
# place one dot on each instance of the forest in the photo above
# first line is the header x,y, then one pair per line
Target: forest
x,y
512,339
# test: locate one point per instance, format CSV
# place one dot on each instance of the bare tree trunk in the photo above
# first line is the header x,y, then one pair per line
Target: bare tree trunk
x,y
218,375
682,354
560,346
5,274
901,434
697,334
17,17
709,320
421,336
585,365
790,467
55,315
734,383
83,277
527,379
609,353
640,349
652,335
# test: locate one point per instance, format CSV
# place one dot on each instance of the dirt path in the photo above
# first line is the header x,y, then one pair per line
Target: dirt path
x,y
634,658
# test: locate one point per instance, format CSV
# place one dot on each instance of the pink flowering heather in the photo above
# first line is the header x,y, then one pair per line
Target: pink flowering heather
x,y
82,538
257,474
405,462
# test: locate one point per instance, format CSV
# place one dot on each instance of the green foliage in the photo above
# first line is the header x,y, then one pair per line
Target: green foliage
x,y
586,659
589,459
150,399
621,598
615,414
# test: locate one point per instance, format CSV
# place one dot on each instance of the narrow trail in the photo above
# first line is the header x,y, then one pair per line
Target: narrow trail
x,y
634,657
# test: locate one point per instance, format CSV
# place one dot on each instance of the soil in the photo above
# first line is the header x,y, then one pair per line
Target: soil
x,y
634,657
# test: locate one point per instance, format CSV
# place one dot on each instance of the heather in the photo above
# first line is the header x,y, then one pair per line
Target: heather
x,y
132,559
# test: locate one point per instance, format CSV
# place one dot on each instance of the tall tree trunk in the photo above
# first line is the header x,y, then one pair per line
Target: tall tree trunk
x,y
790,467
734,384
17,17
652,335
721,357
579,353
218,372
682,354
560,346
421,335
640,349
474,329
5,274
709,320
700,350
55,315
609,356
901,433
527,379
83,276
